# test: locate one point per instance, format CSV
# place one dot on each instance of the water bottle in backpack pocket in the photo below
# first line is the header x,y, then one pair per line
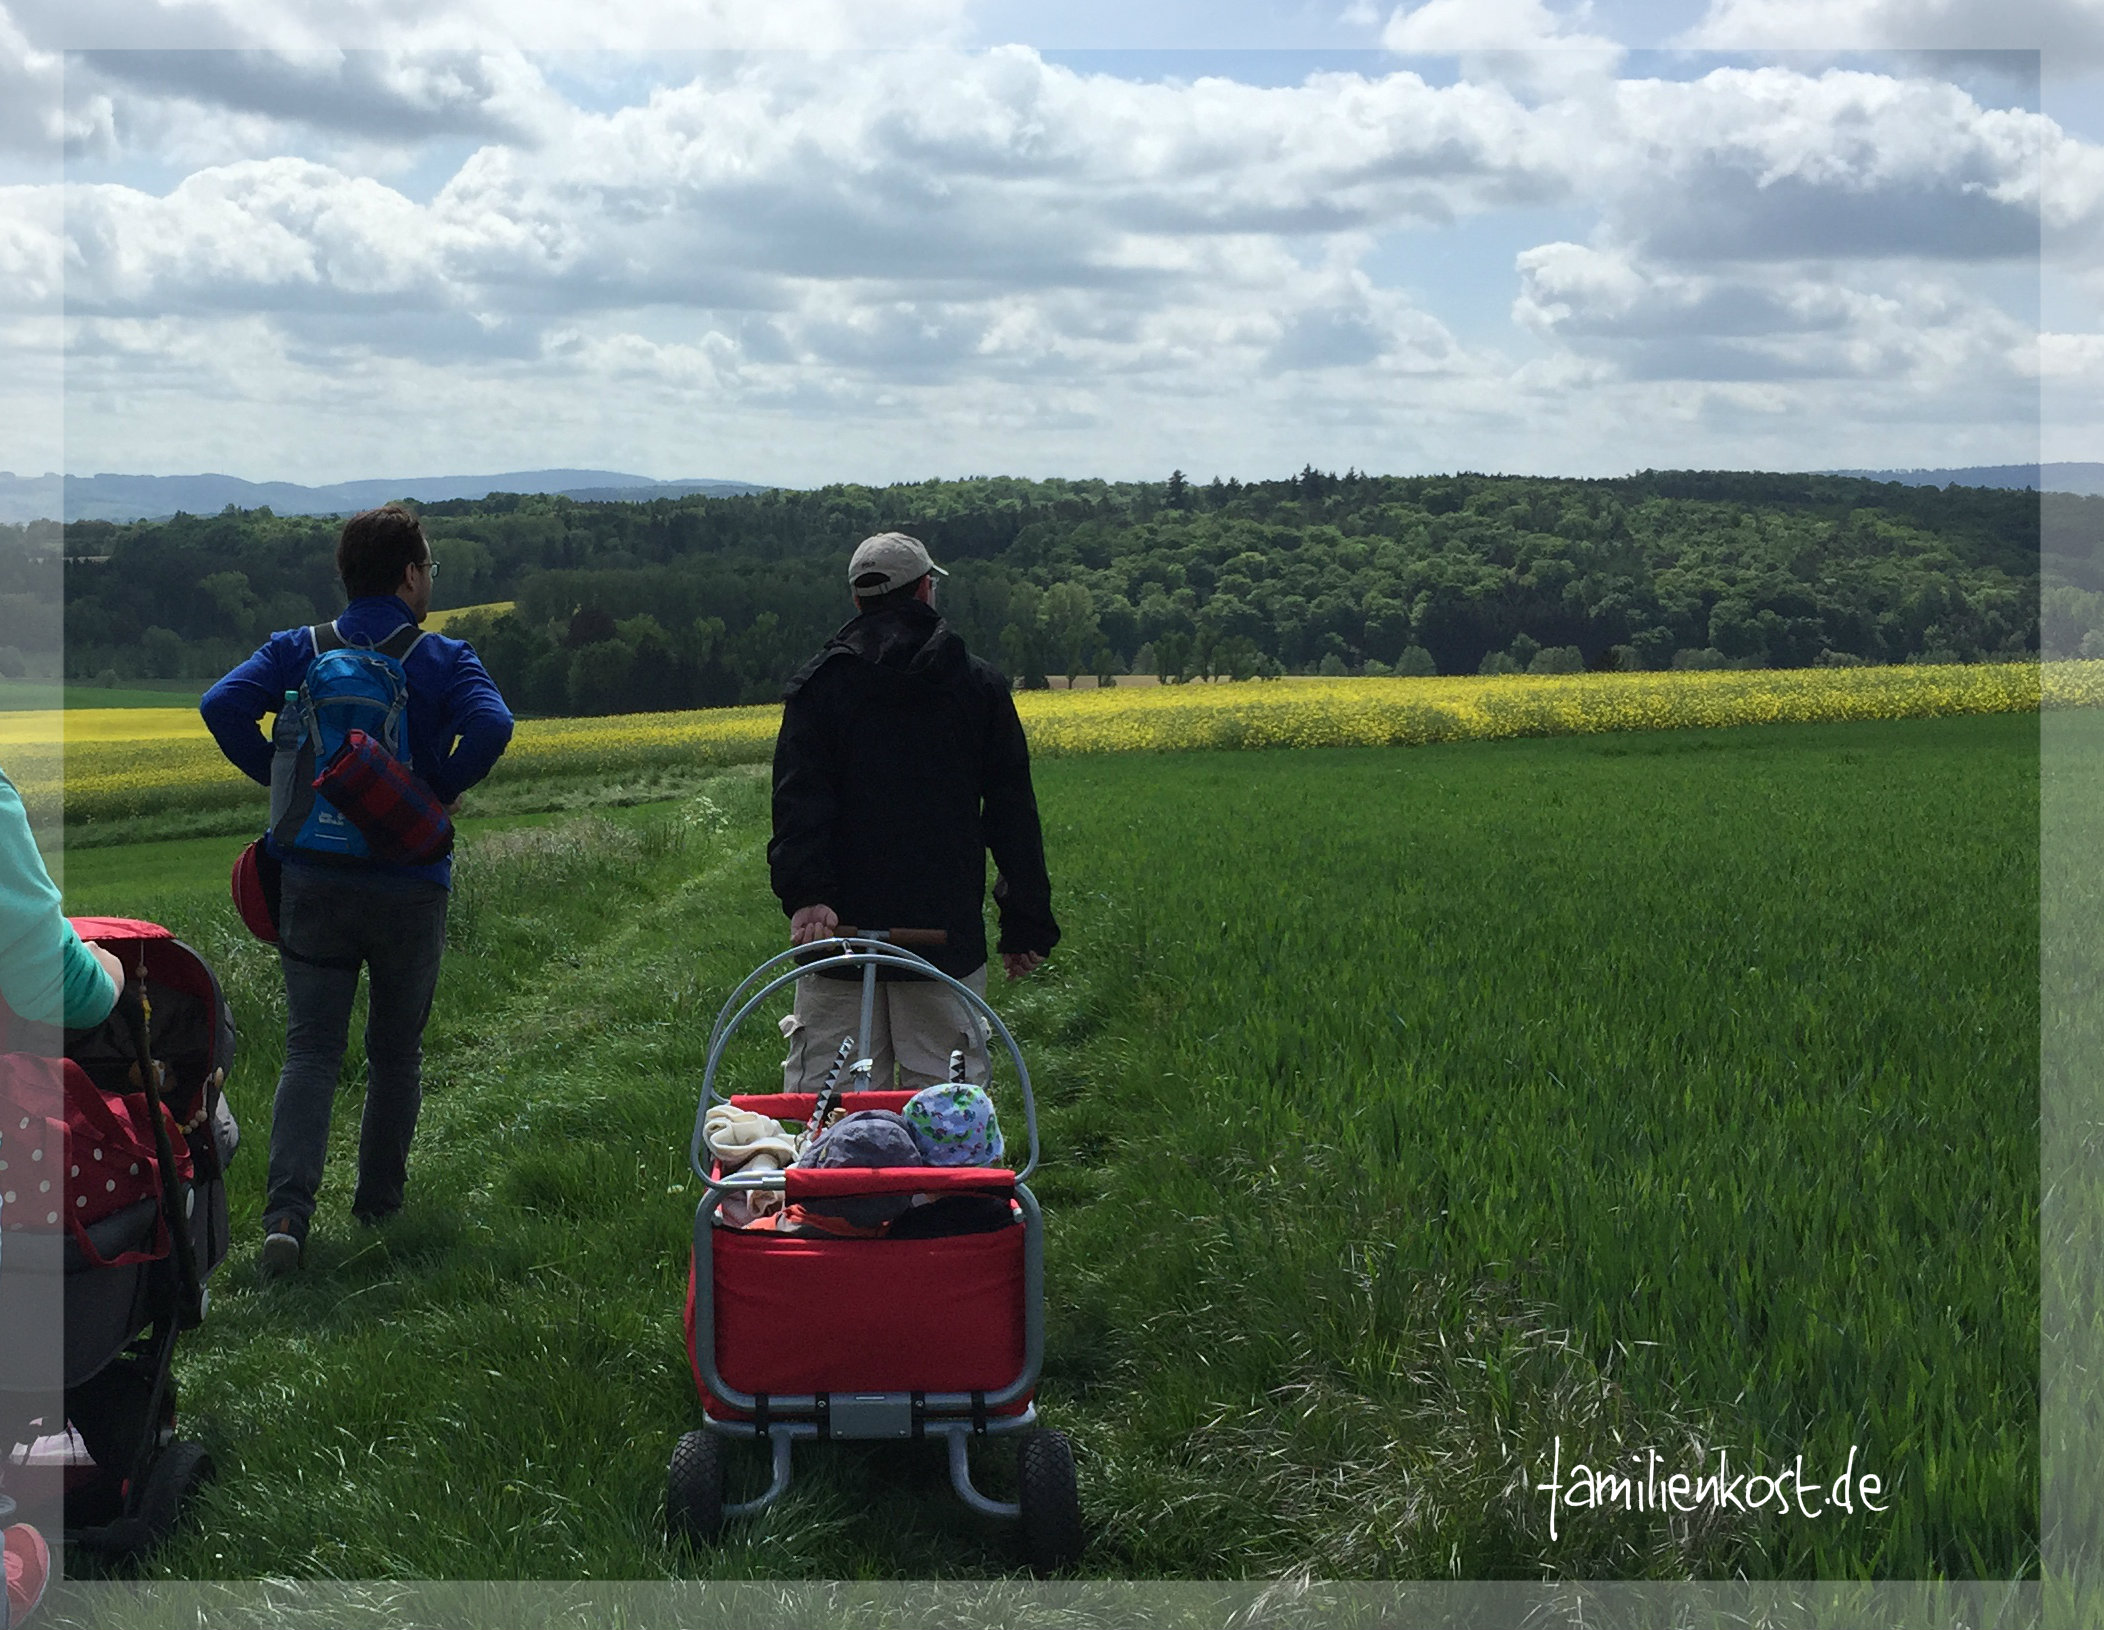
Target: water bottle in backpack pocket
x,y
347,687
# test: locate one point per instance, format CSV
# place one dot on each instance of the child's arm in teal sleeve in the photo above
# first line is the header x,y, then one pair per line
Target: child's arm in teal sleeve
x,y
46,974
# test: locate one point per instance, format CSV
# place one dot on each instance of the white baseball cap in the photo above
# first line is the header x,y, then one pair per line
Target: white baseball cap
x,y
888,561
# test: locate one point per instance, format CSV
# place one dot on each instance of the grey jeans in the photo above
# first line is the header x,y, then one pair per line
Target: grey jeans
x,y
328,926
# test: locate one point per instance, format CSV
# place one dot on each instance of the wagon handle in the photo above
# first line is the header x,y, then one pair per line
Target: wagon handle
x,y
868,955
937,937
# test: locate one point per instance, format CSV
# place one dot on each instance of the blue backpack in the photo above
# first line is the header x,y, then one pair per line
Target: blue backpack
x,y
347,687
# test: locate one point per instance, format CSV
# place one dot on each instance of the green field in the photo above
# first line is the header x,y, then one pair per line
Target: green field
x,y
1404,1111
32,694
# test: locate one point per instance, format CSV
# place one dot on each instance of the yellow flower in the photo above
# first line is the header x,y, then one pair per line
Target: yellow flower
x,y
122,762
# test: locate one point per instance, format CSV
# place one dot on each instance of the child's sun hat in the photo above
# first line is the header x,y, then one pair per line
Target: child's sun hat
x,y
954,1125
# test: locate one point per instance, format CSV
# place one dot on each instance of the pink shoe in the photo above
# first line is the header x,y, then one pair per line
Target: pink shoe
x,y
28,1567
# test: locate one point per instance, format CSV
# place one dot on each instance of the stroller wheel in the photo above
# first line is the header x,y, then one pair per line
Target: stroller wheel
x,y
1051,1502
178,1472
694,1490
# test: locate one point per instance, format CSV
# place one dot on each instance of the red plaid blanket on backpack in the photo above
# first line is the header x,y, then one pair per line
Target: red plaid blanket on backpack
x,y
403,822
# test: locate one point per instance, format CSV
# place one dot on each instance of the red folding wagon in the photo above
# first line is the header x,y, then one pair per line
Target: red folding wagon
x,y
805,1335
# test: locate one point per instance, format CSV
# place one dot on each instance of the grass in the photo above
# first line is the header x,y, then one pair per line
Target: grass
x,y
1667,1091
2071,1142
19,695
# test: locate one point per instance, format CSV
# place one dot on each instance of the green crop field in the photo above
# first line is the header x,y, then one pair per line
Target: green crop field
x,y
1405,1112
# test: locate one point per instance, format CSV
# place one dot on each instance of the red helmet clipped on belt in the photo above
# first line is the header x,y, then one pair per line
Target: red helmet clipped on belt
x,y
256,880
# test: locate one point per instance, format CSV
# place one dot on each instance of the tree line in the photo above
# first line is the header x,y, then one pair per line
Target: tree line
x,y
708,601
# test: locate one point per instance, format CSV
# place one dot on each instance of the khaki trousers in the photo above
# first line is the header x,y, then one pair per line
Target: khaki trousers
x,y
918,1024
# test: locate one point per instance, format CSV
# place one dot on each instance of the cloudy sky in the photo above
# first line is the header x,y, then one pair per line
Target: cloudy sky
x,y
809,240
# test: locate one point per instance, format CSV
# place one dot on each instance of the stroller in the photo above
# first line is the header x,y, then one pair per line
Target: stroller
x,y
812,1336
133,1278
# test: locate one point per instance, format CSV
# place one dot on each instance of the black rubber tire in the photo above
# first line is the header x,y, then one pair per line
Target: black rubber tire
x,y
694,1490
1051,1502
177,1472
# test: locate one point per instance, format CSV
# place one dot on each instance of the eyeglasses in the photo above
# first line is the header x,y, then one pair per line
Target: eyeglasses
x,y
428,564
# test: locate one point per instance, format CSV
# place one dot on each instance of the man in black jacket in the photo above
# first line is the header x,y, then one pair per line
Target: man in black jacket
x,y
900,765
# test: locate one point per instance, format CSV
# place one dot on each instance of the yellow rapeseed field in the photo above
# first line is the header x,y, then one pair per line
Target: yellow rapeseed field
x,y
125,762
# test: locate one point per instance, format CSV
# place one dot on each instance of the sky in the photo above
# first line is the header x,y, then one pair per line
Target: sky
x,y
875,240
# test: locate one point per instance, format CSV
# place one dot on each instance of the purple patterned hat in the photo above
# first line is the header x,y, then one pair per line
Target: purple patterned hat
x,y
954,1125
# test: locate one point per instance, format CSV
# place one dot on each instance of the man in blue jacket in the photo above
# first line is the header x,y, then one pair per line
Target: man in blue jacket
x,y
333,919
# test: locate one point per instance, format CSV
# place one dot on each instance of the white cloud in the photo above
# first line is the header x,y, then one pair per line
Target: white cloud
x,y
478,25
1772,163
2070,31
271,232
1454,26
948,251
32,250
1768,324
32,117
206,107
1018,174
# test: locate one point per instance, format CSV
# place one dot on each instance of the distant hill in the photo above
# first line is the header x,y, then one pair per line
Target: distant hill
x,y
154,497
2078,478
697,602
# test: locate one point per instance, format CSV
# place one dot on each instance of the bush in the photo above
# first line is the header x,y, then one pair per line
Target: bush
x,y
1557,659
1704,658
1653,648
1415,663
161,653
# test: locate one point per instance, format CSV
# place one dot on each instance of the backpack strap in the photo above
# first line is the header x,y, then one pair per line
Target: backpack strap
x,y
326,637
397,647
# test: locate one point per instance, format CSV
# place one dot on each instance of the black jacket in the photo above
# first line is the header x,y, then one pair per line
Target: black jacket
x,y
900,764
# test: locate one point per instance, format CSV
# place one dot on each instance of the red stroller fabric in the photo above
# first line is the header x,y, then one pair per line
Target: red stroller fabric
x,y
77,1154
403,821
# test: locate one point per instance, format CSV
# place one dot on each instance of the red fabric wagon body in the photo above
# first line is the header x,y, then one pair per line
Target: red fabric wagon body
x,y
812,1313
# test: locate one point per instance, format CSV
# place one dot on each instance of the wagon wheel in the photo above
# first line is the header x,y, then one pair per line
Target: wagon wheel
x,y
1051,1516
694,1490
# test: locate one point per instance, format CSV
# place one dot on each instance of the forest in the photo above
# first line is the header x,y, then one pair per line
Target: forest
x,y
700,601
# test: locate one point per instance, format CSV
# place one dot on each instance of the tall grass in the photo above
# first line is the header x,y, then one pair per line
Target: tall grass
x,y
1403,1114
1719,1053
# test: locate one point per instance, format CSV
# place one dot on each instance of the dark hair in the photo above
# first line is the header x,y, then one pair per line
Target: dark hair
x,y
377,547
892,597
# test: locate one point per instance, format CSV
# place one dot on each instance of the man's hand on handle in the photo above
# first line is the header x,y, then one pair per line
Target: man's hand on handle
x,y
1018,963
813,923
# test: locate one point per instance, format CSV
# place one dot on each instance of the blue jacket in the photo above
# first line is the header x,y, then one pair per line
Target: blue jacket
x,y
458,723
